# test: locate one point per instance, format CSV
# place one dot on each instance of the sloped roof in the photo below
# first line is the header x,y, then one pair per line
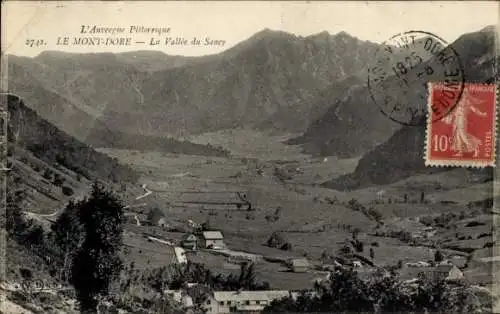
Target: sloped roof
x,y
213,235
263,295
413,272
444,267
408,273
300,262
249,308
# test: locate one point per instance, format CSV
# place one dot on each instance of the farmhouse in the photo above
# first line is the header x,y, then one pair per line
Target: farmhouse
x,y
213,239
299,265
448,272
242,301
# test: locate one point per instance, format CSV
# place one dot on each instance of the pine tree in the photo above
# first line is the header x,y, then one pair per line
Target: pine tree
x,y
97,262
67,234
438,256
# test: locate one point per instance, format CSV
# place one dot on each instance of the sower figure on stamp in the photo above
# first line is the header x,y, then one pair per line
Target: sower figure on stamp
x,y
462,141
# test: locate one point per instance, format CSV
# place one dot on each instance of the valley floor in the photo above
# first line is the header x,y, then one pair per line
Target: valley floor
x,y
282,186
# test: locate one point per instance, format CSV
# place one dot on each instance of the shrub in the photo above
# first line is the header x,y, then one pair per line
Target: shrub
x,y
346,249
355,205
58,180
474,224
375,214
482,235
426,220
282,174
26,273
286,247
276,240
438,256
47,174
358,246
67,190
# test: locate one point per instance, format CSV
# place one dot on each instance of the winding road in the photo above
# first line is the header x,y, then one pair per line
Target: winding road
x,y
148,192
57,211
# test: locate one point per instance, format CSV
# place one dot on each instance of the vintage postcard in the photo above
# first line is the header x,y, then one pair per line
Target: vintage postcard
x,y
249,157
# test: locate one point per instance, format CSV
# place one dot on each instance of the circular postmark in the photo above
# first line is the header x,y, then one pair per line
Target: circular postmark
x,y
403,67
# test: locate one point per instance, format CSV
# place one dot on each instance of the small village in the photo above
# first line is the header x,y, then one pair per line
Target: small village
x,y
187,248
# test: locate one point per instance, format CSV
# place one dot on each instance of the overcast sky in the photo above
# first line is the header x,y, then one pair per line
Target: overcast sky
x,y
234,22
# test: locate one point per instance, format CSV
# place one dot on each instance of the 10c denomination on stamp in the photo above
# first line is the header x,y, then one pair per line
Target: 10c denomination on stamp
x,y
467,135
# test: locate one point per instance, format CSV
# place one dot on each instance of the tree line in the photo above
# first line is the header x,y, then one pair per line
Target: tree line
x,y
346,292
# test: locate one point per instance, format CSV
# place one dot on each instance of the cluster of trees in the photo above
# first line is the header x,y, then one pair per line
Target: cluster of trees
x,y
83,245
446,219
176,276
402,235
345,292
140,142
371,213
277,240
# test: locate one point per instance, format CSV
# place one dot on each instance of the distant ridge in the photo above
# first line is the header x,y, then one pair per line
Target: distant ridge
x,y
271,78
362,127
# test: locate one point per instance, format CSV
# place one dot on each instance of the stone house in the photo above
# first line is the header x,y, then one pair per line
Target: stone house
x,y
299,265
213,239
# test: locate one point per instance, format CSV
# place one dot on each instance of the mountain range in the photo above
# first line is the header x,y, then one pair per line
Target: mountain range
x,y
273,81
402,155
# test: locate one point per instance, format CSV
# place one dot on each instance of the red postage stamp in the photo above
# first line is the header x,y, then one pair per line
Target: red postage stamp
x,y
466,135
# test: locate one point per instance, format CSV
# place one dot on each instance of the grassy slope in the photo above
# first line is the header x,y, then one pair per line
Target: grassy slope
x,y
52,145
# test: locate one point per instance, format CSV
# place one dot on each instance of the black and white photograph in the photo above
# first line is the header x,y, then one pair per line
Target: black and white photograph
x,y
249,157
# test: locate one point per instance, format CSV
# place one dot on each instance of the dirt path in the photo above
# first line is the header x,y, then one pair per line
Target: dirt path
x,y
80,197
147,192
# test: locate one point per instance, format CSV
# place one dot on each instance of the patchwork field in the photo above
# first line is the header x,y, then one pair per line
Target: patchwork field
x,y
282,186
